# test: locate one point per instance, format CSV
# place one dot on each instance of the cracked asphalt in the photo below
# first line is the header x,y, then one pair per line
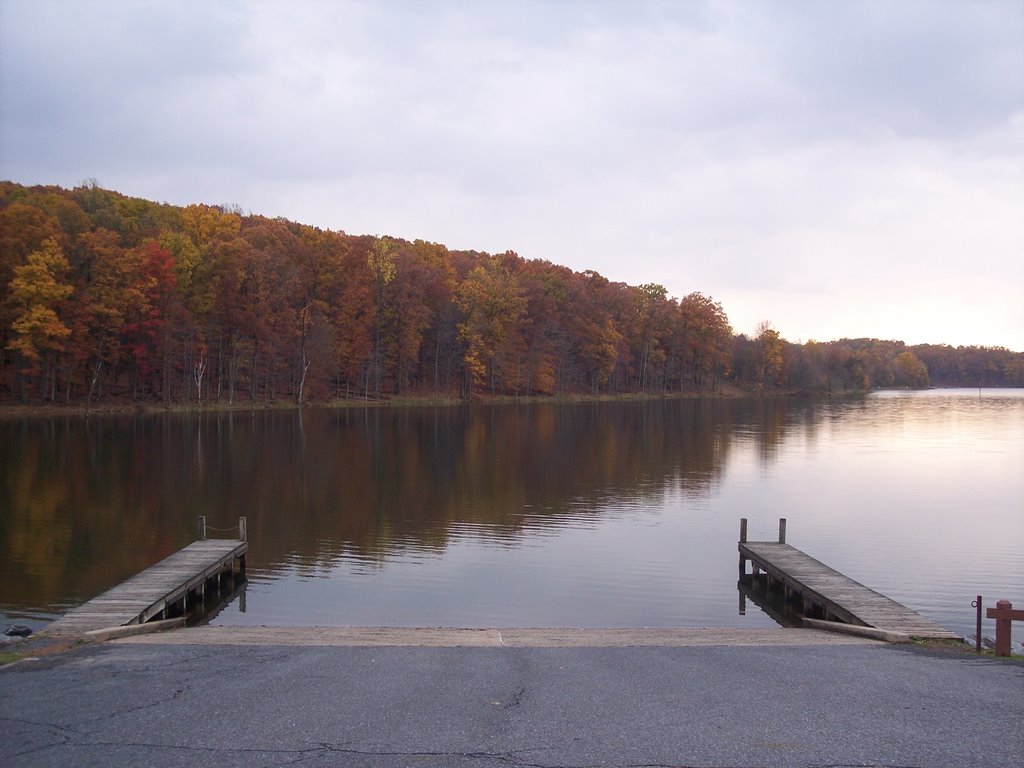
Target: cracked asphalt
x,y
154,705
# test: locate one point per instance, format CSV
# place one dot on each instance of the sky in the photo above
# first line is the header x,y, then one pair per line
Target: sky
x,y
838,169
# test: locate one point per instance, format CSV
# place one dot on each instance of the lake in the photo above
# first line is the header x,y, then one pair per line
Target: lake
x,y
548,515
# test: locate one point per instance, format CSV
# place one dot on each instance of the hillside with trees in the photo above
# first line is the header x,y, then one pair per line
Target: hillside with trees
x,y
107,298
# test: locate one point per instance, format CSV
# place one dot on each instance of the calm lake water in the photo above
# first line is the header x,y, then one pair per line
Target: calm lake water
x,y
590,515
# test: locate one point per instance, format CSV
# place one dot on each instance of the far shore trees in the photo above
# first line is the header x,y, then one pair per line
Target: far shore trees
x,y
106,298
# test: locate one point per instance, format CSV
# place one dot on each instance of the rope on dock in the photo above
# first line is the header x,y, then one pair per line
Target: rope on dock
x,y
203,528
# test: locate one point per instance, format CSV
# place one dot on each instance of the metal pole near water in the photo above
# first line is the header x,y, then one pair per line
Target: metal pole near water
x,y
977,631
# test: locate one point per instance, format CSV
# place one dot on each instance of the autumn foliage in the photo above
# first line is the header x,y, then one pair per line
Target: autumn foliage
x,y
106,297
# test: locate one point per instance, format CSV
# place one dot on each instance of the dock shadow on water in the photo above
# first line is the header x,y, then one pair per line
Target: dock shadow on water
x,y
773,603
235,598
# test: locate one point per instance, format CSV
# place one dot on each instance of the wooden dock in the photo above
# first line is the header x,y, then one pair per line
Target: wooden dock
x,y
173,587
827,594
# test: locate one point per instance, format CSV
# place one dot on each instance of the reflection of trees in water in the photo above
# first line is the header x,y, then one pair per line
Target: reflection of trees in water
x,y
418,478
771,422
92,501
86,505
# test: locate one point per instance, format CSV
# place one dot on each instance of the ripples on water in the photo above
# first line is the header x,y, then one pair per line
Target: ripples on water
x,y
610,515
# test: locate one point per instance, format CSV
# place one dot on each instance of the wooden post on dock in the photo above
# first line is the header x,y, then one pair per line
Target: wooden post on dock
x,y
743,560
782,530
243,534
202,527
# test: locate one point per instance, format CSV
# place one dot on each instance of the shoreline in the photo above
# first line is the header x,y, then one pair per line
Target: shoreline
x,y
117,408
10,410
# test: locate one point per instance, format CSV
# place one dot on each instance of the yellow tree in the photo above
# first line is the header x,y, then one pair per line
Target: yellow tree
x,y
706,339
205,227
910,371
769,350
381,263
35,293
23,229
650,327
491,303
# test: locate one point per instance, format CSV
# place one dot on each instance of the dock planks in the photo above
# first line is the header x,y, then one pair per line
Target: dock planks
x,y
177,579
837,596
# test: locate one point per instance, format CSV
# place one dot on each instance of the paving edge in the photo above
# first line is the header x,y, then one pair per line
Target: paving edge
x,y
443,637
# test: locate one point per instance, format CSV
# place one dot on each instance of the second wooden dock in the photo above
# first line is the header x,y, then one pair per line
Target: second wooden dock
x,y
827,594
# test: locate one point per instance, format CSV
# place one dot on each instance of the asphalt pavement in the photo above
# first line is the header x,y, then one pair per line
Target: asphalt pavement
x,y
156,704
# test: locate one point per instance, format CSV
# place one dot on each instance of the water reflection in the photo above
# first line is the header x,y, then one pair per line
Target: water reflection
x,y
600,514
236,600
754,589
91,500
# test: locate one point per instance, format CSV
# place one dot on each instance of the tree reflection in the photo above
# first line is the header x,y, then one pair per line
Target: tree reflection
x,y
91,501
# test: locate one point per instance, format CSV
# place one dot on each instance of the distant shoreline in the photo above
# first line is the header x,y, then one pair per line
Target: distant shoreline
x,y
119,408
113,408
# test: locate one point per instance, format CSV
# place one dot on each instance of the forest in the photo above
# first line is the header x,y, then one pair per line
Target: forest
x,y
111,299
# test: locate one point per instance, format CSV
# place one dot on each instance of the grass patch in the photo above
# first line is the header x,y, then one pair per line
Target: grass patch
x,y
992,655
956,646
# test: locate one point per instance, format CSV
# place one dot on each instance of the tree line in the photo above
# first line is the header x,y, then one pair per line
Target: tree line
x,y
112,298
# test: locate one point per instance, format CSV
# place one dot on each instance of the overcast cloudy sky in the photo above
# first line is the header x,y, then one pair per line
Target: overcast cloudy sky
x,y
837,168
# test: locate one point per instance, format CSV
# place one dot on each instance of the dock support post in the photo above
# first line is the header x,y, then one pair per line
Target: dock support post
x,y
242,532
202,527
743,560
782,530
